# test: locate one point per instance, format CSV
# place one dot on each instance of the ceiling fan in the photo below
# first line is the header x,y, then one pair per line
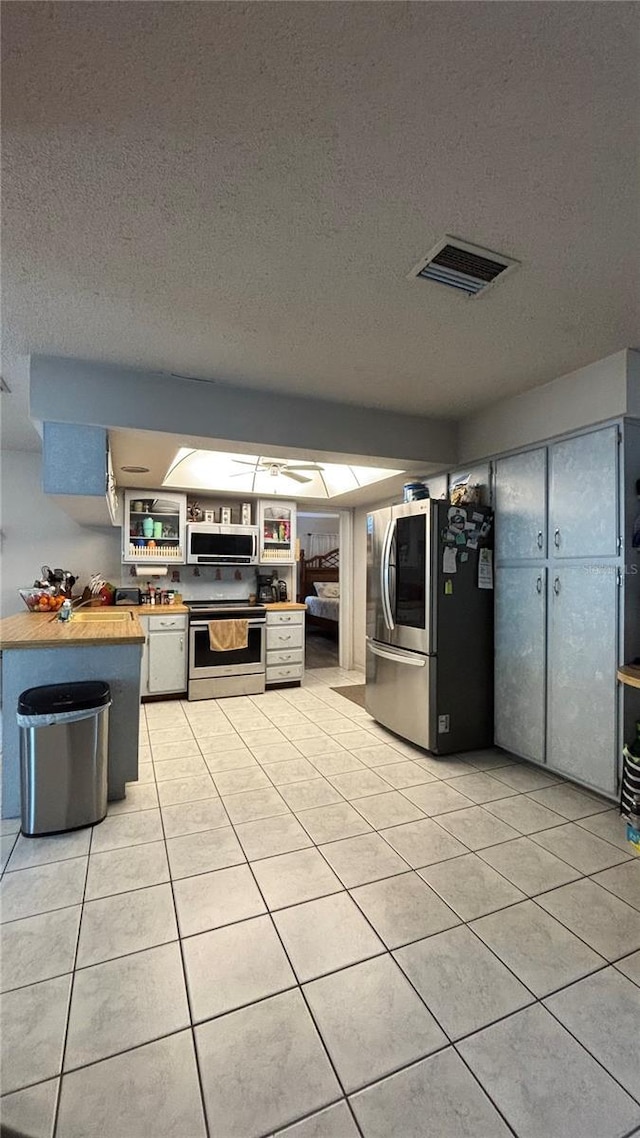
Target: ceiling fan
x,y
268,466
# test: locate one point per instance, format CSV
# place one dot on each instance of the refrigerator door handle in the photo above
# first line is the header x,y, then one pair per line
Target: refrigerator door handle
x,y
384,576
391,593
397,657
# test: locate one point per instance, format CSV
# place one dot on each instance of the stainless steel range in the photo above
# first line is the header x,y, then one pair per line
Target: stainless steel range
x,y
241,671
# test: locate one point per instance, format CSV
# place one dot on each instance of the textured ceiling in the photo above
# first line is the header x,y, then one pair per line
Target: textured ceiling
x,y
239,190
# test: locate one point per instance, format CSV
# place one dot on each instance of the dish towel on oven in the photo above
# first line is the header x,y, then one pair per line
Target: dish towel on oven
x,y
228,635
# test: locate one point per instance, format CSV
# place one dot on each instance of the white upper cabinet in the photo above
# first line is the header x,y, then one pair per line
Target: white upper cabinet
x,y
77,471
583,495
277,524
154,526
520,506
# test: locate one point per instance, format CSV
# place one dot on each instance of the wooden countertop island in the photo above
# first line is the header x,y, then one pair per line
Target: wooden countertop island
x,y
37,649
44,630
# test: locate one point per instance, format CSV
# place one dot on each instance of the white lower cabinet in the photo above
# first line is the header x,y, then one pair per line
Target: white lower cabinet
x,y
164,655
581,682
285,647
520,660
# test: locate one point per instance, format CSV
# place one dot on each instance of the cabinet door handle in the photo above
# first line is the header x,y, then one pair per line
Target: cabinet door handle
x,y
540,539
556,586
182,643
539,585
556,538
285,638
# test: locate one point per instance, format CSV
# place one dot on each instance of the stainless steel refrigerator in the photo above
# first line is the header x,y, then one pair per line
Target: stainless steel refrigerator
x,y
430,624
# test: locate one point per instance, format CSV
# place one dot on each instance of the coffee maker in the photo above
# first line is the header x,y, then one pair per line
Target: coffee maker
x,y
266,591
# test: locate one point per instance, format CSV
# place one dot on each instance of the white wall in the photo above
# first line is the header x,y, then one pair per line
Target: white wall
x,y
359,584
36,532
600,391
316,523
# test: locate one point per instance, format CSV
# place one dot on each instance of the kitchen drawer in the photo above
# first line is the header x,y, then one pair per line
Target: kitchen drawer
x,y
168,623
285,638
283,673
284,656
295,617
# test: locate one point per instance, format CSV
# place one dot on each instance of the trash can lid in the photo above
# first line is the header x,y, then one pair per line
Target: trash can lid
x,y
52,699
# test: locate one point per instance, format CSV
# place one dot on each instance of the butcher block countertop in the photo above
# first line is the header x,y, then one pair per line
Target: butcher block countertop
x,y
153,610
284,606
44,630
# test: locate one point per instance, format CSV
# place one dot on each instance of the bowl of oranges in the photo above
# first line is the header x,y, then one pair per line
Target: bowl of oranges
x,y
39,599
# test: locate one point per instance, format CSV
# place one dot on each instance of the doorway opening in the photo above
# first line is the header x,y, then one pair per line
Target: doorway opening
x,y
319,586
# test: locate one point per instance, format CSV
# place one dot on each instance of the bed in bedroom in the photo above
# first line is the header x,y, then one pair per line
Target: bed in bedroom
x,y
320,590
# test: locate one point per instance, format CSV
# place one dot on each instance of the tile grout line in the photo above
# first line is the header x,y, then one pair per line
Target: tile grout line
x,y
297,904
535,1000
186,987
387,952
71,991
306,1003
299,987
634,1097
400,759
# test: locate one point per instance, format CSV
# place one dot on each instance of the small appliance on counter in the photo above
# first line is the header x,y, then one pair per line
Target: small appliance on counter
x,y
128,597
280,588
266,589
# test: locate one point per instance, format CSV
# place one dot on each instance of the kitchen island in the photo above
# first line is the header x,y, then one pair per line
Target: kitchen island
x,y
38,649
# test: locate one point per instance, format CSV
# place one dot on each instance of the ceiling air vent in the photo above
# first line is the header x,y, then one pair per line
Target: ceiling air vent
x,y
462,266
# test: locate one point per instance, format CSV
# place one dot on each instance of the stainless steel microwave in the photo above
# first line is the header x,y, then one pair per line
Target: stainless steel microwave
x,y
222,545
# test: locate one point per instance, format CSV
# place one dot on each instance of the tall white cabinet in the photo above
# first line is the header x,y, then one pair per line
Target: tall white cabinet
x,y
520,654
558,576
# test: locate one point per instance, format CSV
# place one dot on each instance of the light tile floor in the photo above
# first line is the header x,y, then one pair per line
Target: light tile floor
x,y
298,924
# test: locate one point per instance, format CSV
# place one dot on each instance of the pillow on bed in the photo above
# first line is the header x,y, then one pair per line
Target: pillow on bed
x,y
328,590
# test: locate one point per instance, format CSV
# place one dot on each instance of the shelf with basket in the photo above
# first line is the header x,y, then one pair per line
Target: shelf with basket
x,y
154,527
277,525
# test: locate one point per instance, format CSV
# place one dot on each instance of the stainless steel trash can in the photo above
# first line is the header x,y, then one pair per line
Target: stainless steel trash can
x,y
64,737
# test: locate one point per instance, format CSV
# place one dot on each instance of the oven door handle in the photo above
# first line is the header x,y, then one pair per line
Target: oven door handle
x,y
205,624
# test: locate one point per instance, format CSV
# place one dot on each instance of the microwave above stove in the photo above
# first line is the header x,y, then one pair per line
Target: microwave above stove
x,y
222,545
